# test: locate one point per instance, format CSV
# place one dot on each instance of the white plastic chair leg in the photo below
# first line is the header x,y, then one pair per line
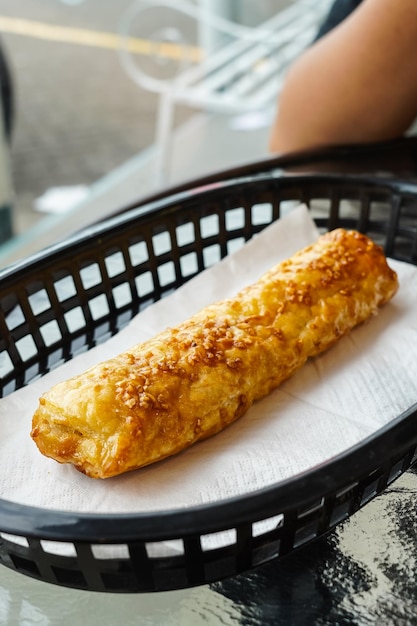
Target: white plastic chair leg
x,y
163,138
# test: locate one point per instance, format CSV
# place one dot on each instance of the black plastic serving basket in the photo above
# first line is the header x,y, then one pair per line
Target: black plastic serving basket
x,y
113,270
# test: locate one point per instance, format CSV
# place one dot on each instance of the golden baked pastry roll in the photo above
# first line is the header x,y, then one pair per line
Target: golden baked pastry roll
x,y
191,381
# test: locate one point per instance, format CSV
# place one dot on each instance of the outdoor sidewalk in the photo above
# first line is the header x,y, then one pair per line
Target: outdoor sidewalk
x,y
82,122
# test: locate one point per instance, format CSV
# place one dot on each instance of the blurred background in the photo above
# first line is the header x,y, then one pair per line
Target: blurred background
x,y
72,115
76,113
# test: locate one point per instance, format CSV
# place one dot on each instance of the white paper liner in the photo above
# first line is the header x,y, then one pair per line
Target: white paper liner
x,y
332,403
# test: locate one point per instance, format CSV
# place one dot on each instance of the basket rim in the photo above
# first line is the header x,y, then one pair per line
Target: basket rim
x,y
144,211
362,459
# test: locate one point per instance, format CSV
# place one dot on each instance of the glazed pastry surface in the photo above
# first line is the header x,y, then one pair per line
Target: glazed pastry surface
x,y
191,381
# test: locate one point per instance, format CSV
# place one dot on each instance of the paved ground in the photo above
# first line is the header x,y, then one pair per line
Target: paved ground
x,y
77,114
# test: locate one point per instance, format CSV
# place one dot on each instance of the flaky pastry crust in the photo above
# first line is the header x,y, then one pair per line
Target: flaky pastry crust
x,y
191,381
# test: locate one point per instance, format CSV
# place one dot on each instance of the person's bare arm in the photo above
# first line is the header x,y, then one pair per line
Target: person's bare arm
x,y
357,84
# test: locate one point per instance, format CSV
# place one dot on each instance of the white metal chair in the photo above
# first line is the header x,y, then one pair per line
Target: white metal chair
x,y
243,75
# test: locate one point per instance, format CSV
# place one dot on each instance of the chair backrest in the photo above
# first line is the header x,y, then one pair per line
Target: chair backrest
x,y
148,32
